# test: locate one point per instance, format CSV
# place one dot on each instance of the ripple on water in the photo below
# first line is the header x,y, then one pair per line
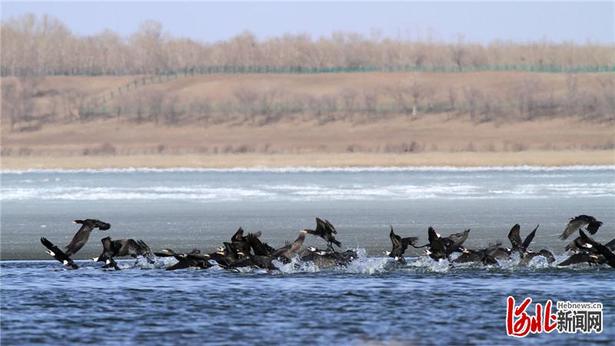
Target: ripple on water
x,y
369,301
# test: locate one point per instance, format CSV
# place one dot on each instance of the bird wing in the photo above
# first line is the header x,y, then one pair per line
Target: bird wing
x,y
459,238
329,226
611,244
395,239
581,257
79,239
259,248
58,254
528,239
321,227
574,225
141,248
432,234
298,243
408,240
593,226
238,236
515,236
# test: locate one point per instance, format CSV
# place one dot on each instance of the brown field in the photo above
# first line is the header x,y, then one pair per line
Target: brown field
x,y
502,134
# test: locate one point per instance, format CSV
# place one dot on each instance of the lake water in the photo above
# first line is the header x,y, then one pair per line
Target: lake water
x,y
368,302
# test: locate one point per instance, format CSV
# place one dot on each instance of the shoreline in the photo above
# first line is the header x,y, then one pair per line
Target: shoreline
x,y
314,160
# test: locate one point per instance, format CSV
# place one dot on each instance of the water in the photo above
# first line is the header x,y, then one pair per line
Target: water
x,y
369,302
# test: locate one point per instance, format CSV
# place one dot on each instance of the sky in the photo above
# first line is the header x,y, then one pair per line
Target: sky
x,y
444,21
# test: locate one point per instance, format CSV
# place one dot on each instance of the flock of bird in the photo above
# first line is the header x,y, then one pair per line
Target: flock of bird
x,y
247,250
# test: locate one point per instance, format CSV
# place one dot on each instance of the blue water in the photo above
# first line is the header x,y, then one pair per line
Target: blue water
x,y
369,302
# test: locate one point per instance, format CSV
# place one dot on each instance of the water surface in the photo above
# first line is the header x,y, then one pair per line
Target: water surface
x,y
368,302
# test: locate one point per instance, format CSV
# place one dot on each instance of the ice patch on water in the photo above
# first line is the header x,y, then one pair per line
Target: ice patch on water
x,y
309,192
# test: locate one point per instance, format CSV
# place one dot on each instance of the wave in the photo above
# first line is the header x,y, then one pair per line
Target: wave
x,y
308,169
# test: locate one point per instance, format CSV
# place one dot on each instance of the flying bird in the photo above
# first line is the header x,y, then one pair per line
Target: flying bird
x,y
399,245
326,231
83,234
78,241
592,225
121,248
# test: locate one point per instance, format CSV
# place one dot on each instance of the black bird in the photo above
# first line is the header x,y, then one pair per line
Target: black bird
x,y
591,252
240,244
327,258
485,256
326,231
58,254
441,247
522,247
193,259
514,235
259,248
78,241
399,245
83,234
286,252
437,249
455,241
121,248
601,249
592,225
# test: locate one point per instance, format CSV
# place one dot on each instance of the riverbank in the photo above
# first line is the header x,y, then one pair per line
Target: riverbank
x,y
460,159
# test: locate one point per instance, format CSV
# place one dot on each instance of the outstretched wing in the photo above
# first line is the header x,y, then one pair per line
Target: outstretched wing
x,y
142,249
79,239
408,240
515,236
259,248
329,226
573,226
298,243
395,239
58,254
432,234
529,238
458,239
238,236
321,227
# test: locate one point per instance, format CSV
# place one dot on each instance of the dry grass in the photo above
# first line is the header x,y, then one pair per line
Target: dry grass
x,y
465,159
446,138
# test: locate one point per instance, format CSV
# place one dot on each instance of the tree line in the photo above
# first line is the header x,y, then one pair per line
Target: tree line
x,y
27,105
33,45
